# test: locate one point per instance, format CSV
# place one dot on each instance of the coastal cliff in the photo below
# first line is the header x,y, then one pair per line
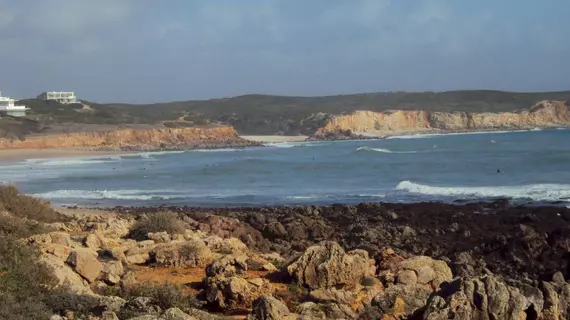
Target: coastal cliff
x,y
544,114
134,140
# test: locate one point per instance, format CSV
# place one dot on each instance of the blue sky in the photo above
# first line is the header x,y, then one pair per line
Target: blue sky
x,y
148,51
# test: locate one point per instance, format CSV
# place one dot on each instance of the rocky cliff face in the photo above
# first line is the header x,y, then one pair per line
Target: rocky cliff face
x,y
134,139
379,124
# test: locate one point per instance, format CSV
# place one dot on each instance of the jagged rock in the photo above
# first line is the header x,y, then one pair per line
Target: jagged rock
x,y
422,270
112,272
109,315
401,301
228,266
140,252
94,241
189,254
65,276
39,239
175,314
269,267
61,238
58,250
84,261
128,280
159,237
234,292
225,246
145,317
489,297
327,265
203,315
269,308
311,310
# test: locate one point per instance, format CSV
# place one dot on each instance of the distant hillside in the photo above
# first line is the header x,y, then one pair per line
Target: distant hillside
x,y
264,114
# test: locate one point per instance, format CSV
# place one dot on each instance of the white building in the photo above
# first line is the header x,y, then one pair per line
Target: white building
x,y
7,105
61,97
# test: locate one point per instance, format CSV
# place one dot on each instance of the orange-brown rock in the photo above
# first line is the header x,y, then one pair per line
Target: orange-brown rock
x,y
134,139
380,124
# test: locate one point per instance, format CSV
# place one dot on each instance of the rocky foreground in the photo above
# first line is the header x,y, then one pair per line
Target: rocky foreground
x,y
372,261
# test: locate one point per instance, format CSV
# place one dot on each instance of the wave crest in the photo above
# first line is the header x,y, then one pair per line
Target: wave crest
x,y
535,192
382,150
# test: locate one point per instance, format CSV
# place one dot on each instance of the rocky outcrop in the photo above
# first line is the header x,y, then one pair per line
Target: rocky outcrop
x,y
234,292
188,254
544,114
135,140
328,266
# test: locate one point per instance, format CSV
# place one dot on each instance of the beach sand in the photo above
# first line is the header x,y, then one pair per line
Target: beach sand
x,y
15,155
274,139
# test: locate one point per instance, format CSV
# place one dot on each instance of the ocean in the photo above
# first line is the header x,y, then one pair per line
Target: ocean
x,y
527,167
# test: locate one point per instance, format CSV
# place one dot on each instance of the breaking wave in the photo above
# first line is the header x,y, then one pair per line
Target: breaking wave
x,y
535,192
110,194
382,150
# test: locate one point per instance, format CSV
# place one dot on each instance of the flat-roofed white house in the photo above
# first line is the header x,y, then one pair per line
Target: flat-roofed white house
x,y
61,97
8,106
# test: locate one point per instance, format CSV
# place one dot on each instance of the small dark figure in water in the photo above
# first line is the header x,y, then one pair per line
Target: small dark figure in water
x,y
498,170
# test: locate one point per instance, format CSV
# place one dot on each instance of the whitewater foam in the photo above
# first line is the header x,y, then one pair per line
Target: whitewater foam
x,y
382,150
535,192
110,194
432,135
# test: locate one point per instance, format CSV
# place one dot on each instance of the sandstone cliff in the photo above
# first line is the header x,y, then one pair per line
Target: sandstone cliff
x,y
134,140
380,124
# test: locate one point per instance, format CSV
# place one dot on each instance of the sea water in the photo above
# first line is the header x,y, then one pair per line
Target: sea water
x,y
531,166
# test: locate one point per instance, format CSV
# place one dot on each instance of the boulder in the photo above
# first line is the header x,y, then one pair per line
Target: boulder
x,y
225,246
65,276
84,261
175,314
234,292
312,311
427,271
140,252
490,297
94,241
269,308
60,251
61,238
188,254
328,266
228,266
401,301
109,315
112,272
159,237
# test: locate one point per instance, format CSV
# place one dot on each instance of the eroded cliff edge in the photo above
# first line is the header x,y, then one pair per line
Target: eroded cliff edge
x,y
134,140
545,114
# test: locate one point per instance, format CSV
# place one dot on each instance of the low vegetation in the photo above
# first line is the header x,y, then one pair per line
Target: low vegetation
x,y
162,221
26,288
27,207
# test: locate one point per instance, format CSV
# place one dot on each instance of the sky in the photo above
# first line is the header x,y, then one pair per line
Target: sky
x,y
143,51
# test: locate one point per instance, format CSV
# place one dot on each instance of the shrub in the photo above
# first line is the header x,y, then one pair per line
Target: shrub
x,y
164,296
61,301
24,206
162,221
19,228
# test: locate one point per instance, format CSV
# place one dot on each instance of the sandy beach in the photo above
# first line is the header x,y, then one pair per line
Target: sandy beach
x,y
274,139
15,155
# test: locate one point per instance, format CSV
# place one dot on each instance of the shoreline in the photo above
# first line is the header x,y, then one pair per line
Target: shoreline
x,y
18,155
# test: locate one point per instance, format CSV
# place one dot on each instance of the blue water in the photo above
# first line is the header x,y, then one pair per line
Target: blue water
x,y
533,165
